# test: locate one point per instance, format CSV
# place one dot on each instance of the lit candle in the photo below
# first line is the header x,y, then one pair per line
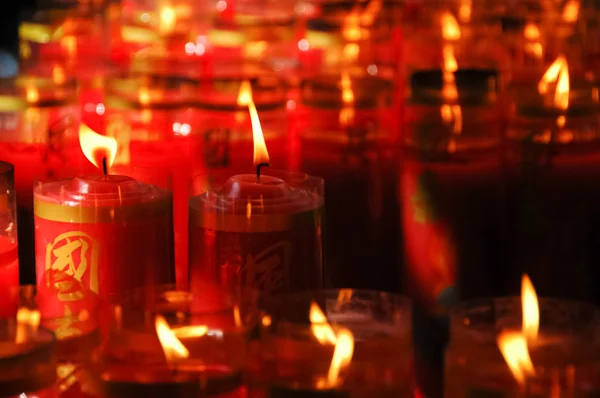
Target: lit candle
x,y
110,232
525,346
257,230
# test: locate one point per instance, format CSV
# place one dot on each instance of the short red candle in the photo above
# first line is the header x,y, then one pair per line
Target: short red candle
x,y
263,234
111,232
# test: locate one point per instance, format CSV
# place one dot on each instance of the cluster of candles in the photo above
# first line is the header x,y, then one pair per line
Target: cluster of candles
x,y
140,147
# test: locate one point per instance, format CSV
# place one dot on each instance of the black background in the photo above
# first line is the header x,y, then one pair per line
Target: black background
x,y
10,12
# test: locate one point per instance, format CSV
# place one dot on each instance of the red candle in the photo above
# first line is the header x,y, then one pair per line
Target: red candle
x,y
111,232
258,231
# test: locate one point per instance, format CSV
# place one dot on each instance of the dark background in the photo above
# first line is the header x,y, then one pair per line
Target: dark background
x,y
10,11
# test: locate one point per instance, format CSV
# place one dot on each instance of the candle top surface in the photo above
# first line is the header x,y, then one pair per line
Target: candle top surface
x,y
97,191
247,194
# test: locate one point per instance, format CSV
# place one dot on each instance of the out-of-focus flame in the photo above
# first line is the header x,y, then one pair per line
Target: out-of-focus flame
x,y
320,328
531,309
450,28
69,43
97,147
32,94
571,11
261,155
347,112
189,331
167,19
237,318
144,96
27,323
342,355
559,73
513,346
465,10
58,74
532,43
450,114
173,348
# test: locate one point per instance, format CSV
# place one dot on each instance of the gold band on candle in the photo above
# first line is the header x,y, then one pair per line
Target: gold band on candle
x,y
106,214
254,223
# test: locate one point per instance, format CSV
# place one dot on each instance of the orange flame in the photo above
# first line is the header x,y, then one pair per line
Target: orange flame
x,y
173,348
58,74
320,328
32,94
450,28
571,11
27,323
190,331
261,155
450,114
465,10
558,72
97,147
514,345
342,355
168,19
532,44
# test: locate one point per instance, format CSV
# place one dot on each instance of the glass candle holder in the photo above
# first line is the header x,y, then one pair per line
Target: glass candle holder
x,y
227,126
262,233
27,360
153,119
565,354
112,232
552,165
210,328
39,119
290,361
9,255
345,129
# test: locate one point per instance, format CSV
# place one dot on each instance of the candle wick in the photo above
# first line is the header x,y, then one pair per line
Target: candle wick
x,y
258,170
104,167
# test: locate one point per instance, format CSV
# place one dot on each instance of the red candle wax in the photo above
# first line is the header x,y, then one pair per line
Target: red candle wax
x,y
263,234
112,233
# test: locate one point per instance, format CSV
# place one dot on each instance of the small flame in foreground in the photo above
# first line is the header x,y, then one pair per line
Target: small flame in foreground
x,y
173,348
321,329
261,155
516,354
558,72
344,343
514,345
531,309
97,148
27,323
571,11
342,355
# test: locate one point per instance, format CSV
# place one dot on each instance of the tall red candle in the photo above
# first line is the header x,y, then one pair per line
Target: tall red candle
x,y
111,232
258,231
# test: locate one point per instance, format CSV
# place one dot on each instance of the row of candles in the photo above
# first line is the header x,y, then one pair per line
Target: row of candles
x,y
159,341
491,127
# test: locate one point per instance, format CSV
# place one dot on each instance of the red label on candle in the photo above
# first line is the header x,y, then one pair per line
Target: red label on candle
x,y
107,258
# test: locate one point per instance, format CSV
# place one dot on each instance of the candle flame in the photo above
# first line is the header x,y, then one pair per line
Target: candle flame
x,y
531,309
531,31
342,355
27,324
559,73
168,19
532,44
32,94
261,155
465,10
173,348
571,11
58,74
320,328
450,114
347,112
190,331
97,147
450,28
514,345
